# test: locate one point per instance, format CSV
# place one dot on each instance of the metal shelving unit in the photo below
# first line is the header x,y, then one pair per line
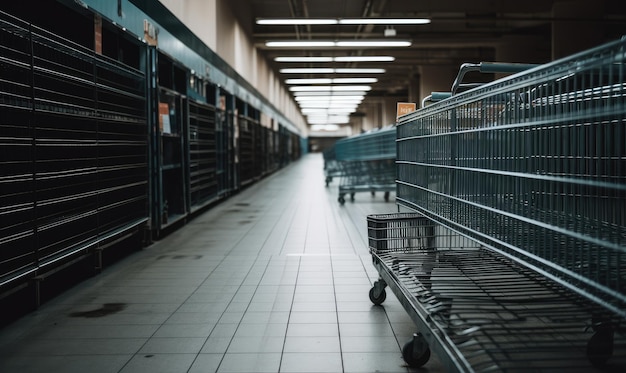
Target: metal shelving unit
x,y
515,256
203,183
74,164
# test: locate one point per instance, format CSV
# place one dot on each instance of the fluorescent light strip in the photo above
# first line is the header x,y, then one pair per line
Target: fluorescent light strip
x,y
384,21
373,43
300,44
336,59
323,88
329,120
329,98
324,127
303,59
328,92
327,111
318,70
307,70
296,21
342,21
332,81
365,59
329,104
339,43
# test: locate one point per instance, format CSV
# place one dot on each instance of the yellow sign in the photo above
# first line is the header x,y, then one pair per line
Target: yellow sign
x,y
405,108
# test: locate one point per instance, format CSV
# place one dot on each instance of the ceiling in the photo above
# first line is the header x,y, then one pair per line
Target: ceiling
x,y
460,31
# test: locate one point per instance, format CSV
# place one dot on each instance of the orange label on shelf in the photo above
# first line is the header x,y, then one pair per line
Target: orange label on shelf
x,y
405,108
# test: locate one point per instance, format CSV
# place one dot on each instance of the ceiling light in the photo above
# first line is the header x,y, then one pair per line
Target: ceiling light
x,y
300,43
309,81
324,88
303,59
384,21
345,111
332,81
324,127
317,70
308,70
297,21
336,59
354,80
330,98
359,71
328,92
330,119
326,104
373,43
339,43
342,21
365,59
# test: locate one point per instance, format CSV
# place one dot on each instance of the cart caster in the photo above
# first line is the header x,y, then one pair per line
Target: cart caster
x,y
352,197
386,196
416,352
600,346
378,293
328,180
341,200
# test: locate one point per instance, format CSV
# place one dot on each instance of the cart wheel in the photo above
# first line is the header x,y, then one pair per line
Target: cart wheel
x,y
341,200
328,180
386,196
416,352
600,346
373,193
352,197
379,298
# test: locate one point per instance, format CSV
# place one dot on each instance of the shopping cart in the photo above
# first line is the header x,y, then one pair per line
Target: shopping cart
x,y
367,163
513,257
331,167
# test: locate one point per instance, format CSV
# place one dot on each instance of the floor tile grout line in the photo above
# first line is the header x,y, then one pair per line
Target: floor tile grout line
x,y
293,296
173,312
225,311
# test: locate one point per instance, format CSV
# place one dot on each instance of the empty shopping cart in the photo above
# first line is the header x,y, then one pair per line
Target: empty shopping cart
x,y
367,163
513,257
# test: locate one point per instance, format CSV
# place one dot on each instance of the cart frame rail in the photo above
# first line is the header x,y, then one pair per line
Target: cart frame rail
x,y
532,166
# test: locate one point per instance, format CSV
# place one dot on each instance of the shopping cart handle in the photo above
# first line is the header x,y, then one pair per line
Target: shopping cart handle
x,y
435,96
488,67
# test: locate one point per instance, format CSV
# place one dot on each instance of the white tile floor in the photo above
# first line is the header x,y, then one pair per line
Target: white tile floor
x,y
275,279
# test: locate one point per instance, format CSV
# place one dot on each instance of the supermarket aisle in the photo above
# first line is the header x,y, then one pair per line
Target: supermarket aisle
x,y
275,279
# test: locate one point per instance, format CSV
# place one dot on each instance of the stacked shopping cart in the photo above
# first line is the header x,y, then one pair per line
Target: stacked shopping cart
x,y
513,257
331,167
367,163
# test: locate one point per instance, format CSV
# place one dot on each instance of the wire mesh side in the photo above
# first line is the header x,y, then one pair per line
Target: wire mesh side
x,y
376,144
533,166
